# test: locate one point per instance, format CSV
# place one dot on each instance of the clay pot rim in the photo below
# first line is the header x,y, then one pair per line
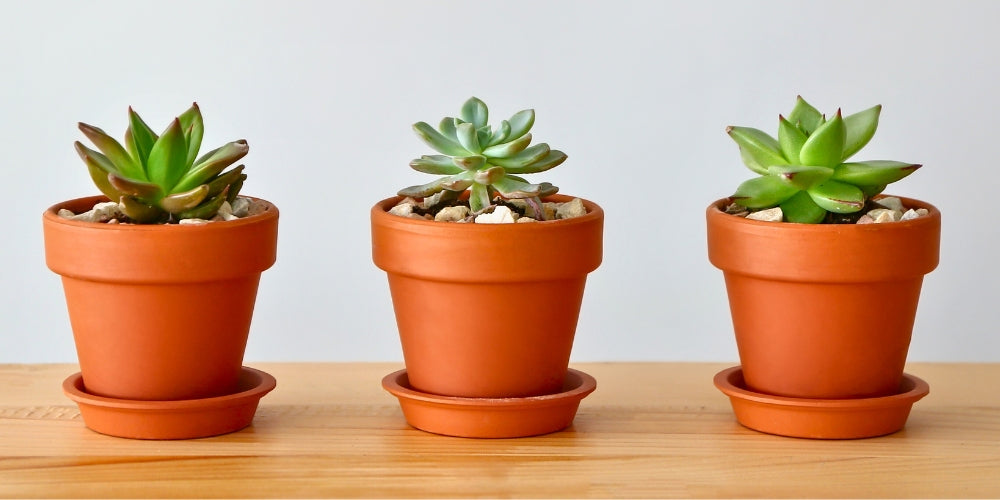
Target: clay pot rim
x,y
51,216
717,207
254,384
380,213
576,387
912,389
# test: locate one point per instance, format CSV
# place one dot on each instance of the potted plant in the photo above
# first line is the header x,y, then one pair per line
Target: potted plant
x,y
160,298
486,310
822,293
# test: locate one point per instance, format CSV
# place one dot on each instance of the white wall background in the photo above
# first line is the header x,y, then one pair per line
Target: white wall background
x,y
638,93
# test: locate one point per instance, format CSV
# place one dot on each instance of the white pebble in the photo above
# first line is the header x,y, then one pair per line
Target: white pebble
x,y
241,207
193,222
500,215
769,215
910,214
570,209
882,215
892,203
402,210
452,214
526,219
865,219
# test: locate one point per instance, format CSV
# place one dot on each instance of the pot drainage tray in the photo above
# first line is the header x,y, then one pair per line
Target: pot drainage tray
x,y
180,419
820,418
490,417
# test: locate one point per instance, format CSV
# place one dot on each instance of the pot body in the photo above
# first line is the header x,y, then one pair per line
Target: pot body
x,y
487,310
823,311
160,312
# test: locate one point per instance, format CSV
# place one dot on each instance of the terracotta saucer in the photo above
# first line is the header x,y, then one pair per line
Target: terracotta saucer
x,y
820,418
490,417
181,419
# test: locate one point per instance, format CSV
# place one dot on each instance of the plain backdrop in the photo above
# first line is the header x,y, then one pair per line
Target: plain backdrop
x,y
637,93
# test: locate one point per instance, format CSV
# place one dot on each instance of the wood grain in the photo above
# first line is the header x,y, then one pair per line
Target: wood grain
x,y
650,430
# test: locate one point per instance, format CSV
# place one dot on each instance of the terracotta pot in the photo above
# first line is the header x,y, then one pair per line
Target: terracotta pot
x,y
823,311
160,312
487,310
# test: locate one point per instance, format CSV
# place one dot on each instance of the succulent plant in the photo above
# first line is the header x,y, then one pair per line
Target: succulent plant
x,y
805,170
485,161
162,178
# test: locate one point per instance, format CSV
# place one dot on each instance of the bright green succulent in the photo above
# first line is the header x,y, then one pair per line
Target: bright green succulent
x,y
805,170
158,178
484,161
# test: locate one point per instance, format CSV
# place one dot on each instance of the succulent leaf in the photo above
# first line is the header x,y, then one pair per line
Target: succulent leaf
x,y
757,149
194,130
553,159
489,176
508,148
99,160
800,176
211,166
139,139
873,172
469,162
439,142
861,128
447,128
168,158
838,197
523,158
114,151
437,164
479,197
475,112
468,138
512,188
825,147
207,209
802,209
484,135
520,123
763,192
805,116
500,135
790,140
144,191
181,202
871,191
140,212
100,178
227,179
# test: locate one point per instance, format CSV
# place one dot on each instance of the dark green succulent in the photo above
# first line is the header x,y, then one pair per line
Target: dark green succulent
x,y
484,161
805,170
161,178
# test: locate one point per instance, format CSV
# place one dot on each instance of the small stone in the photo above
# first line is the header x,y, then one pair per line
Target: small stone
x,y
402,210
865,219
769,215
892,203
113,221
241,207
736,209
500,215
432,200
193,222
570,209
882,215
526,219
225,212
65,214
910,214
922,212
452,214
256,208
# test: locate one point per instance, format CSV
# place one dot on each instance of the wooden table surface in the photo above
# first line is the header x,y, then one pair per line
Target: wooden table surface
x,y
650,430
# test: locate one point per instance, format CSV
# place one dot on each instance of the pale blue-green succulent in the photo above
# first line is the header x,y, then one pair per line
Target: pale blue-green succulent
x,y
484,161
805,170
162,178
